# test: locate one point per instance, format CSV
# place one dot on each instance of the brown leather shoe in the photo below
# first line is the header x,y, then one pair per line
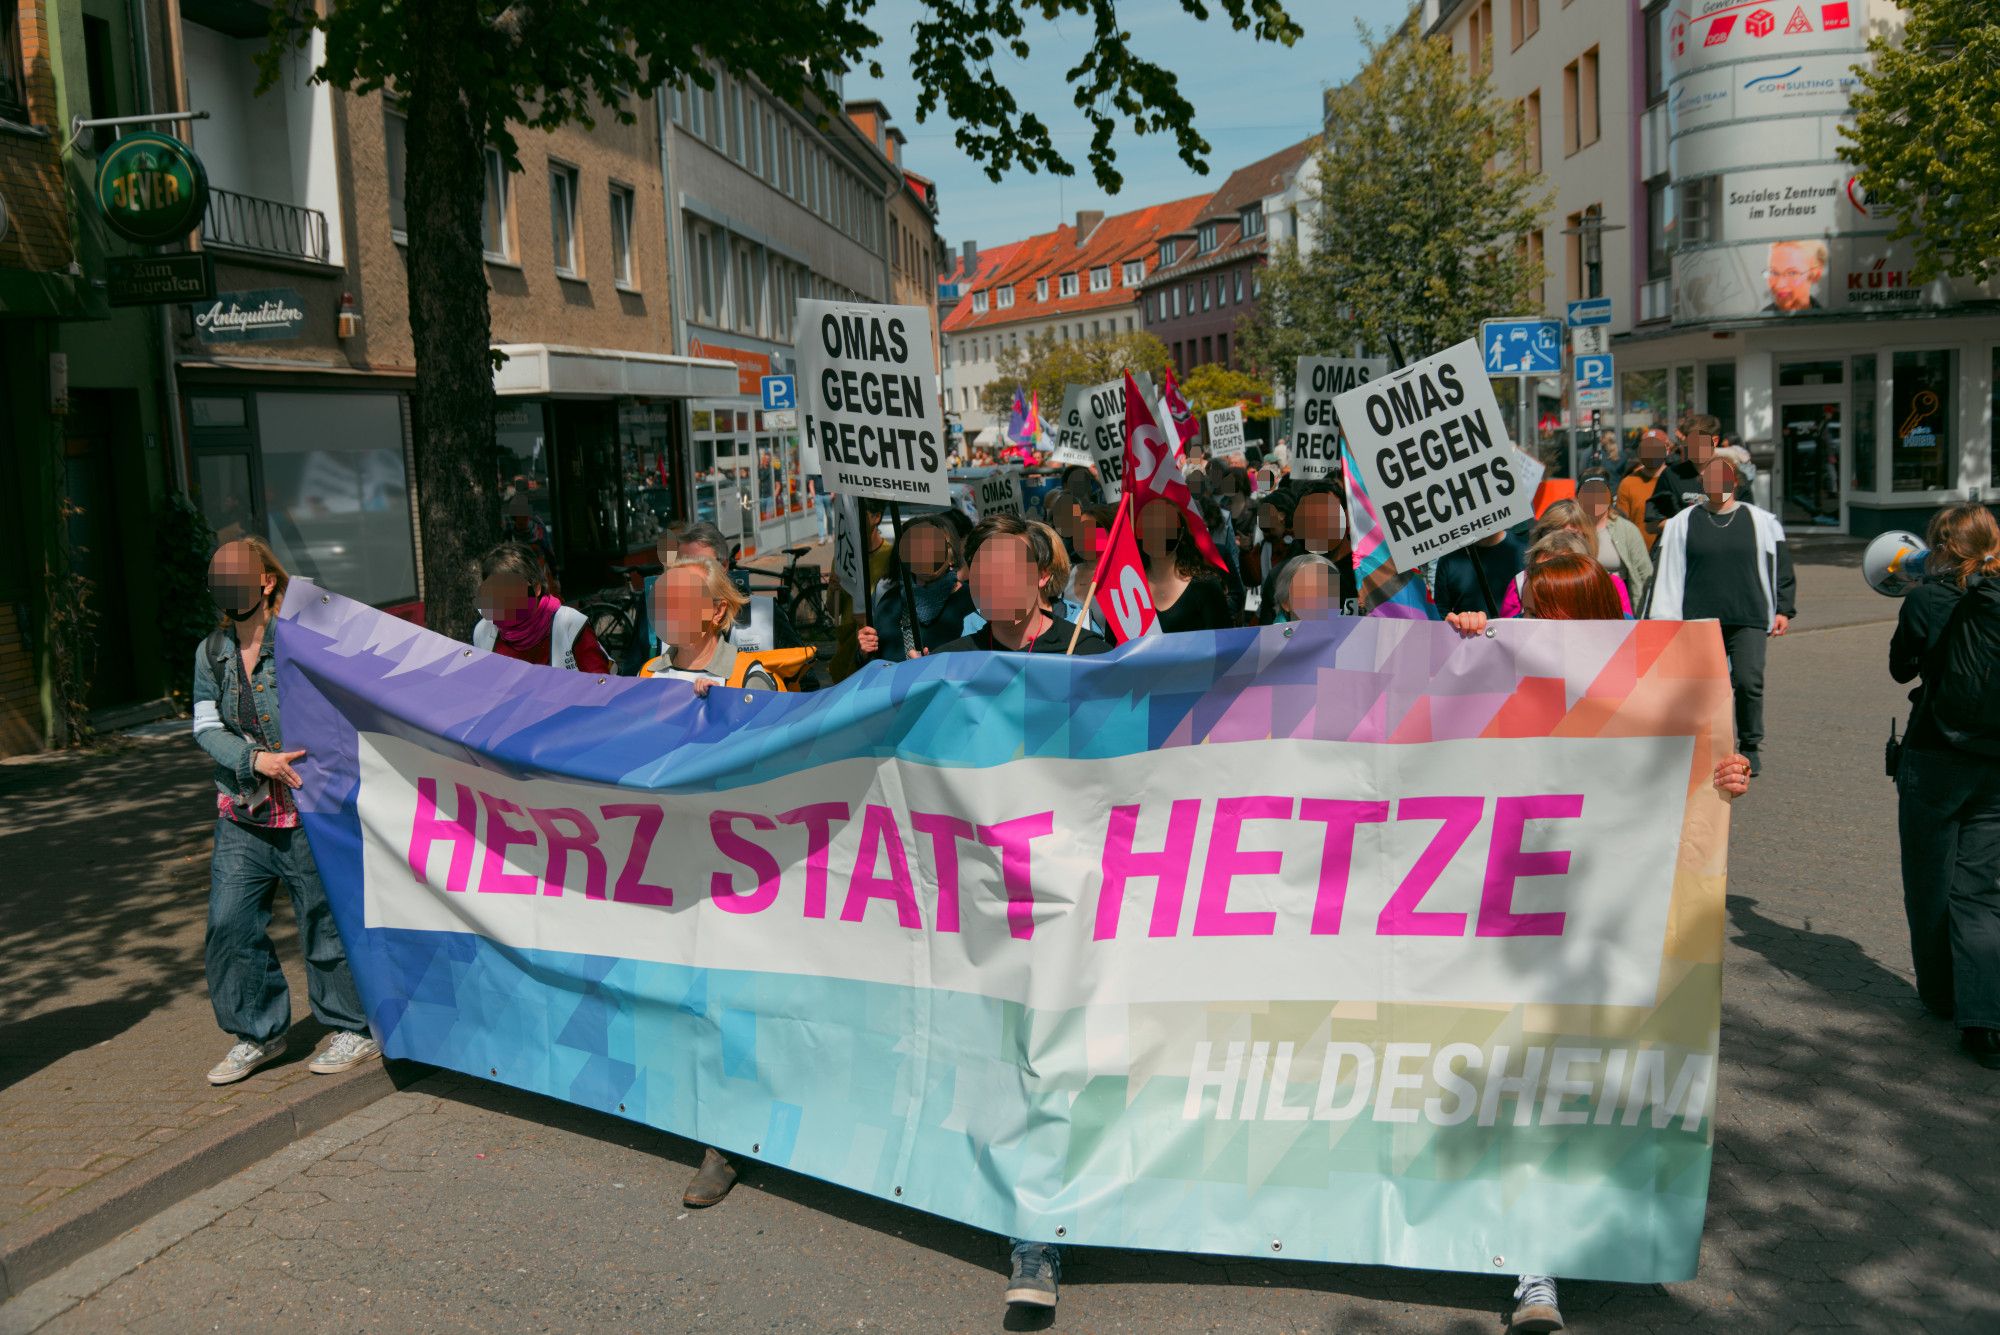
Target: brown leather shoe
x,y
711,1181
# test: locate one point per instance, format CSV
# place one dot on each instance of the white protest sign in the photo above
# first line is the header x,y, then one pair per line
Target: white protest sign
x,y
1315,425
1432,449
1225,433
869,389
850,559
1071,445
998,493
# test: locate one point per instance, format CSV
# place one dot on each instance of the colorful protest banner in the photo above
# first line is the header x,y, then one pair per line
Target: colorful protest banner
x,y
870,395
1432,449
1350,939
1315,424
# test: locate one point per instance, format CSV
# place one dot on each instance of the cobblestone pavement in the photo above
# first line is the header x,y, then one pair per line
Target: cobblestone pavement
x,y
1856,1182
105,1027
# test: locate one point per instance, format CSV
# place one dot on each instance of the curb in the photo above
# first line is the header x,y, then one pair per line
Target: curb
x,y
36,1247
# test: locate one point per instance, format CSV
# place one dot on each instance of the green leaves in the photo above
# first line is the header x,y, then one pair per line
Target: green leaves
x,y
1421,201
1044,365
1925,140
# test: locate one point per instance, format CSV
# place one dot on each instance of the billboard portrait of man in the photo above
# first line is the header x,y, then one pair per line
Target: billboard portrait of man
x,y
1793,274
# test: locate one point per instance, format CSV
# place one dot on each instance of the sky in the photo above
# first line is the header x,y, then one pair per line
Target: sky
x,y
1250,99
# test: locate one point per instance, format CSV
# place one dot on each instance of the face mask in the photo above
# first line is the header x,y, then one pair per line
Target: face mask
x,y
245,614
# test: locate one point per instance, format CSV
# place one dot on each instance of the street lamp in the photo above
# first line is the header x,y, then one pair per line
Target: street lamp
x,y
1592,227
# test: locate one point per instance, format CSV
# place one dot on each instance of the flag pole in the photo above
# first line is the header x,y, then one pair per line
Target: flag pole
x,y
1090,598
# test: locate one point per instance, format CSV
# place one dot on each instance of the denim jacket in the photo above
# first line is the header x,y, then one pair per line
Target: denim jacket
x,y
240,789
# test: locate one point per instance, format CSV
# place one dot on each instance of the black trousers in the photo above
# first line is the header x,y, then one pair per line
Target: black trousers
x,y
1746,646
1948,813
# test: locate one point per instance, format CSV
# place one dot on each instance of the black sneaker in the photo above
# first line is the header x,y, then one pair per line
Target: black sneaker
x,y
1037,1267
1982,1045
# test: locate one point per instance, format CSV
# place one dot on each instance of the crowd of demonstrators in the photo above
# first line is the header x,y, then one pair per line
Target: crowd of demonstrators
x,y
1188,593
928,553
1728,560
520,617
1948,775
1564,528
259,845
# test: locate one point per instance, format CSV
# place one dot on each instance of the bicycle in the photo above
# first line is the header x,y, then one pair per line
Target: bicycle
x,y
798,595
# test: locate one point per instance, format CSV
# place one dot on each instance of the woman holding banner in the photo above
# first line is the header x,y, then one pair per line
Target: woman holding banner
x,y
1187,591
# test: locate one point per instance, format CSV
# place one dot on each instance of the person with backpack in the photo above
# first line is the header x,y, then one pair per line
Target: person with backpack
x,y
1728,559
259,844
1948,775
521,618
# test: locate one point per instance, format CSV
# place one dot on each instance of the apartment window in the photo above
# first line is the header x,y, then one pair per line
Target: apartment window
x,y
1222,348
1222,289
562,218
1068,288
1659,259
711,99
979,303
1177,300
701,257
1135,273
622,273
1166,253
1207,292
1239,285
1041,289
1100,278
13,74
1531,129
1006,296
736,120
395,140
756,144
1573,257
1479,31
1252,220
1527,19
1205,239
1655,22
1580,120
1534,253
496,222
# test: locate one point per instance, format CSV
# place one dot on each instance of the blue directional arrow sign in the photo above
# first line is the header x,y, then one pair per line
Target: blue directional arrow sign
x,y
780,392
1594,372
1521,347
1590,311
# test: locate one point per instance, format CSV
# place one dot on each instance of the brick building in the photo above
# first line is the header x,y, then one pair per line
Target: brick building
x,y
1207,279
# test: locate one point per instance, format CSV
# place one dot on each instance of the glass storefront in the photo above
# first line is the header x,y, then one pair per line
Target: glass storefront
x,y
1862,425
748,478
1921,406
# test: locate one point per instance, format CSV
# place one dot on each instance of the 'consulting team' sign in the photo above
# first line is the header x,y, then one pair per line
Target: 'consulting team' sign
x,y
1433,452
869,387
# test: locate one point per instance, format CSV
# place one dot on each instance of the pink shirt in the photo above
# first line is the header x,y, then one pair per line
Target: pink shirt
x,y
1510,606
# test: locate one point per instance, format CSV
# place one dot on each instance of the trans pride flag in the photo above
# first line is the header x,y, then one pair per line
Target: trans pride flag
x,y
1385,590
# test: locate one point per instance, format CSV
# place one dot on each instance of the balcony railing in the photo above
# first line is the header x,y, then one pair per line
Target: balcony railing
x,y
266,226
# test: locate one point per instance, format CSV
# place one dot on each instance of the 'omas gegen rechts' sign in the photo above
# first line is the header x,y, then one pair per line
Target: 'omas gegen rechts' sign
x,y
869,387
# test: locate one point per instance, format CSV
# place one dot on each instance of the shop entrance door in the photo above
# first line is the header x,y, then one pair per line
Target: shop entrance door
x,y
1810,459
97,554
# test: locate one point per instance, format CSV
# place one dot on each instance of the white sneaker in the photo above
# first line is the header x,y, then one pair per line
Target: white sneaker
x,y
1535,1305
244,1058
347,1051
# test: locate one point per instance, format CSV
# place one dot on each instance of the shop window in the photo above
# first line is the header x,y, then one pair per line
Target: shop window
x,y
1683,391
562,218
335,496
1644,400
1861,425
1921,421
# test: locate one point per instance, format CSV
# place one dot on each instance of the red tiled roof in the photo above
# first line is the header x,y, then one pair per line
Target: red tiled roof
x,y
1119,238
1245,186
986,264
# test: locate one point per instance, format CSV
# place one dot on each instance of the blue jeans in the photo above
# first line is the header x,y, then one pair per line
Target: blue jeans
x,y
245,984
823,507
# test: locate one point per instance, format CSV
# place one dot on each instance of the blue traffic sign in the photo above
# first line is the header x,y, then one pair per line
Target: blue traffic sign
x,y
1594,372
1521,347
1590,311
780,392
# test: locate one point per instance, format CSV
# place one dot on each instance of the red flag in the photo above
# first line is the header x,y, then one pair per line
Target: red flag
x,y
1185,427
1123,597
1153,469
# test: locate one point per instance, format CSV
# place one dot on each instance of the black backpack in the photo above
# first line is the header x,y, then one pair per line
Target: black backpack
x,y
1964,691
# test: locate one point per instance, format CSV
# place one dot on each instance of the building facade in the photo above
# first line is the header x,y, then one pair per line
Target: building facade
x,y
1078,281
1209,275
1748,277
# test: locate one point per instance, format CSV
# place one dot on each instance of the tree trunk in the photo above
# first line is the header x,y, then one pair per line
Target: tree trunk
x,y
450,322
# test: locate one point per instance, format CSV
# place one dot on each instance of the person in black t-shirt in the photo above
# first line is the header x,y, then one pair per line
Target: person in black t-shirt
x,y
1476,578
1009,561
1729,560
1187,594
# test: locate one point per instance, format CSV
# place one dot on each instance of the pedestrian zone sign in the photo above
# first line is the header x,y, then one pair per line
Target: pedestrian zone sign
x,y
1521,347
780,393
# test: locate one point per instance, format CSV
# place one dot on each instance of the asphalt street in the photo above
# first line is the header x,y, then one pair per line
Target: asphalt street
x,y
1856,1182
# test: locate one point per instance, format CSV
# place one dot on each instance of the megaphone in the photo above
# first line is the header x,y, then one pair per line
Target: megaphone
x,y
1894,563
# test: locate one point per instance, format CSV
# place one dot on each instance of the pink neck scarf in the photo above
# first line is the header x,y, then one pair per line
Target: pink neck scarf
x,y
530,627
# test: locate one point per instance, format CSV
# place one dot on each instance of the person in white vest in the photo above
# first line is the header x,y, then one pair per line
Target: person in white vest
x,y
520,618
1727,559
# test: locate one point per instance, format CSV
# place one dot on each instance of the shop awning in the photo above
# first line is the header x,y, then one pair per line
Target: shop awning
x,y
987,439
548,371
